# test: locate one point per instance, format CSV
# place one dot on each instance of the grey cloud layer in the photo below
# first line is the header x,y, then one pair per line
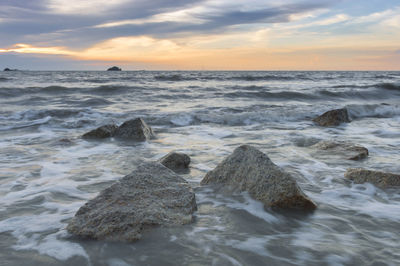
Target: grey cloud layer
x,y
25,21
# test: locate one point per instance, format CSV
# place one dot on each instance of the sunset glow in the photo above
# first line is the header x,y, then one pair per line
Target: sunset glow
x,y
234,35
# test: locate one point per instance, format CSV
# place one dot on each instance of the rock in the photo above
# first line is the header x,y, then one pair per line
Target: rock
x,y
9,69
333,118
379,179
248,169
150,196
102,132
342,149
114,68
135,129
178,162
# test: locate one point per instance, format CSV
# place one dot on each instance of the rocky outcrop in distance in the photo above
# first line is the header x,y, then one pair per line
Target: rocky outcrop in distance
x,y
9,69
176,161
248,169
150,196
134,129
114,68
332,118
379,179
344,150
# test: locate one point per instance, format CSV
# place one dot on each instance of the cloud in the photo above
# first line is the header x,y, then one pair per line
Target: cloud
x,y
86,7
83,23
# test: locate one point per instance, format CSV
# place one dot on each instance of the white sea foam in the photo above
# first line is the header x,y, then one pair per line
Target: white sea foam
x,y
182,120
117,262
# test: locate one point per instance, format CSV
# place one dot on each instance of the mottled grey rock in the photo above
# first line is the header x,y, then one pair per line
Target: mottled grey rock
x,y
342,149
248,169
102,132
333,118
150,196
176,161
134,129
379,179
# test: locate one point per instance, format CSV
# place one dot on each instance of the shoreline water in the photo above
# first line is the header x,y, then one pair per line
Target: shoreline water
x,y
45,180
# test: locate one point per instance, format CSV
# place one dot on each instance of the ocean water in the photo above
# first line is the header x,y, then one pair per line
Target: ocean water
x,y
47,171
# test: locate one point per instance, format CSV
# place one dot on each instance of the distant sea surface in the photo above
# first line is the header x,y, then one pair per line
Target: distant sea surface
x,y
47,171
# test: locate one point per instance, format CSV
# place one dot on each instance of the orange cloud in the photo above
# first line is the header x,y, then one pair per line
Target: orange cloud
x,y
227,52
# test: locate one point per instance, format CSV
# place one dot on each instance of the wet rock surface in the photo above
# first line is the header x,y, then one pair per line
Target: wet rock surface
x,y
102,132
176,161
150,196
379,179
333,118
134,129
248,169
343,150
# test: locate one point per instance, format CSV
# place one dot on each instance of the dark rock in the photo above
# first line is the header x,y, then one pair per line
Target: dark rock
x,y
342,149
248,169
178,162
332,118
114,68
102,132
9,69
150,196
379,179
135,129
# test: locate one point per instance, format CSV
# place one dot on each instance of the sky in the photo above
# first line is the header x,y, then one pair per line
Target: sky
x,y
200,34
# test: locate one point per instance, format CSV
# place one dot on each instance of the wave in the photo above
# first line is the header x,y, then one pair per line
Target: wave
x,y
31,115
24,124
271,77
373,110
389,86
54,90
174,77
3,79
288,95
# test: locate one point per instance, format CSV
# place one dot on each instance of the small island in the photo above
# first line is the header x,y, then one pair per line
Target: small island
x,y
114,68
9,69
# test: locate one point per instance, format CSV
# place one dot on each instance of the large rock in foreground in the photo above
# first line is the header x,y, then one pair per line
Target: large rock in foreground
x,y
134,129
379,179
342,149
248,169
176,161
150,196
102,132
333,118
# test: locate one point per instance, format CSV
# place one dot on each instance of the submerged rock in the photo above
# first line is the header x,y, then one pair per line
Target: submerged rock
x,y
379,179
114,68
176,161
150,196
248,169
333,118
105,131
135,129
343,149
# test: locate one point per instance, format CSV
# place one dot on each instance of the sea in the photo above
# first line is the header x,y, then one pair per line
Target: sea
x,y
47,171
